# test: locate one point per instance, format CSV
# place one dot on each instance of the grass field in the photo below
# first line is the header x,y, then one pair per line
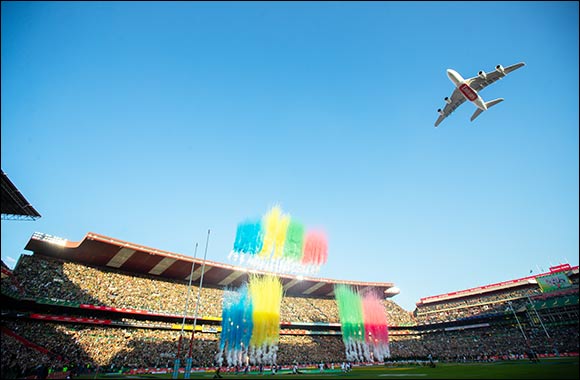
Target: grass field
x,y
557,368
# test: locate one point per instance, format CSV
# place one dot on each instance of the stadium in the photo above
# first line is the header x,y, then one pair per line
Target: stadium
x,y
110,306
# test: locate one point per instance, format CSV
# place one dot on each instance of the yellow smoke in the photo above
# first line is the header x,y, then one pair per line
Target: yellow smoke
x,y
266,293
275,227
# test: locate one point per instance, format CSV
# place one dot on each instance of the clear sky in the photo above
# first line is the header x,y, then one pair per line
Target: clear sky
x,y
154,122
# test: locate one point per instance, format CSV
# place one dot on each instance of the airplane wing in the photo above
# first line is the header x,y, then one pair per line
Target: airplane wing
x,y
478,83
456,100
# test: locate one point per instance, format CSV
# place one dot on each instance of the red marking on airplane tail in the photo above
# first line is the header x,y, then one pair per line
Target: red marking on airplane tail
x,y
468,92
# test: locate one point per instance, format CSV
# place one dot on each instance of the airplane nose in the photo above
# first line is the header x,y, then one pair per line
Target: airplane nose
x,y
454,77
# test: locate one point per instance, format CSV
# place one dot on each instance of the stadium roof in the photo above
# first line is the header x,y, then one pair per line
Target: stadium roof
x,y
529,280
102,251
14,205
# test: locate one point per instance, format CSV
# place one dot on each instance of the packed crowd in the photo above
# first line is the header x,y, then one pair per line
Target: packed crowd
x,y
42,277
66,281
47,278
153,343
79,346
485,342
446,311
310,349
397,316
18,359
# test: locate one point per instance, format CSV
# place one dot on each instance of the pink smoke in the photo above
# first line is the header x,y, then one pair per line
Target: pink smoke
x,y
375,320
315,248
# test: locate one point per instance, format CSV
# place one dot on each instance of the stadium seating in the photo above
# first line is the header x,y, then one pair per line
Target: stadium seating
x,y
145,332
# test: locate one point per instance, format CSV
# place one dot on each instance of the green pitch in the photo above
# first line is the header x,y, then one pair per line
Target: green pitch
x,y
559,368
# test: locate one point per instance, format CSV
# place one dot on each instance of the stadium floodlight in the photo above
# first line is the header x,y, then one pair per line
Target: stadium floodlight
x,y
61,242
392,291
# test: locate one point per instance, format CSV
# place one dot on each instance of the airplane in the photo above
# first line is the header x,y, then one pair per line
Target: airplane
x,y
467,89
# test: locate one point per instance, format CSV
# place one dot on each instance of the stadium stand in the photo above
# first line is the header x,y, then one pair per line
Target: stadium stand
x,y
107,304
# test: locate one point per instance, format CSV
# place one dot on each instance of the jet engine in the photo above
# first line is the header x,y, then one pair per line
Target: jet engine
x,y
482,75
440,112
447,100
499,69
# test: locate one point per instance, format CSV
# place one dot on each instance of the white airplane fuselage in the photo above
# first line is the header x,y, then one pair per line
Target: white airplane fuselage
x,y
469,93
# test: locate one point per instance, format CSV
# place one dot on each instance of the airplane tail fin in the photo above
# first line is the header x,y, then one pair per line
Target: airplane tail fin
x,y
489,104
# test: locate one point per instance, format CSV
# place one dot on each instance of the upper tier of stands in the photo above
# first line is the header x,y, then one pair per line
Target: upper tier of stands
x,y
40,277
47,278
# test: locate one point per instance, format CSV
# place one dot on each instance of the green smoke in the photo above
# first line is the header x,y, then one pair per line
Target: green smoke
x,y
350,312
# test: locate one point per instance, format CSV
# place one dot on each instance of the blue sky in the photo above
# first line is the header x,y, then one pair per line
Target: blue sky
x,y
154,122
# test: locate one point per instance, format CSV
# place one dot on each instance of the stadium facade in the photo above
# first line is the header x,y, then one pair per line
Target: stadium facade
x,y
104,302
